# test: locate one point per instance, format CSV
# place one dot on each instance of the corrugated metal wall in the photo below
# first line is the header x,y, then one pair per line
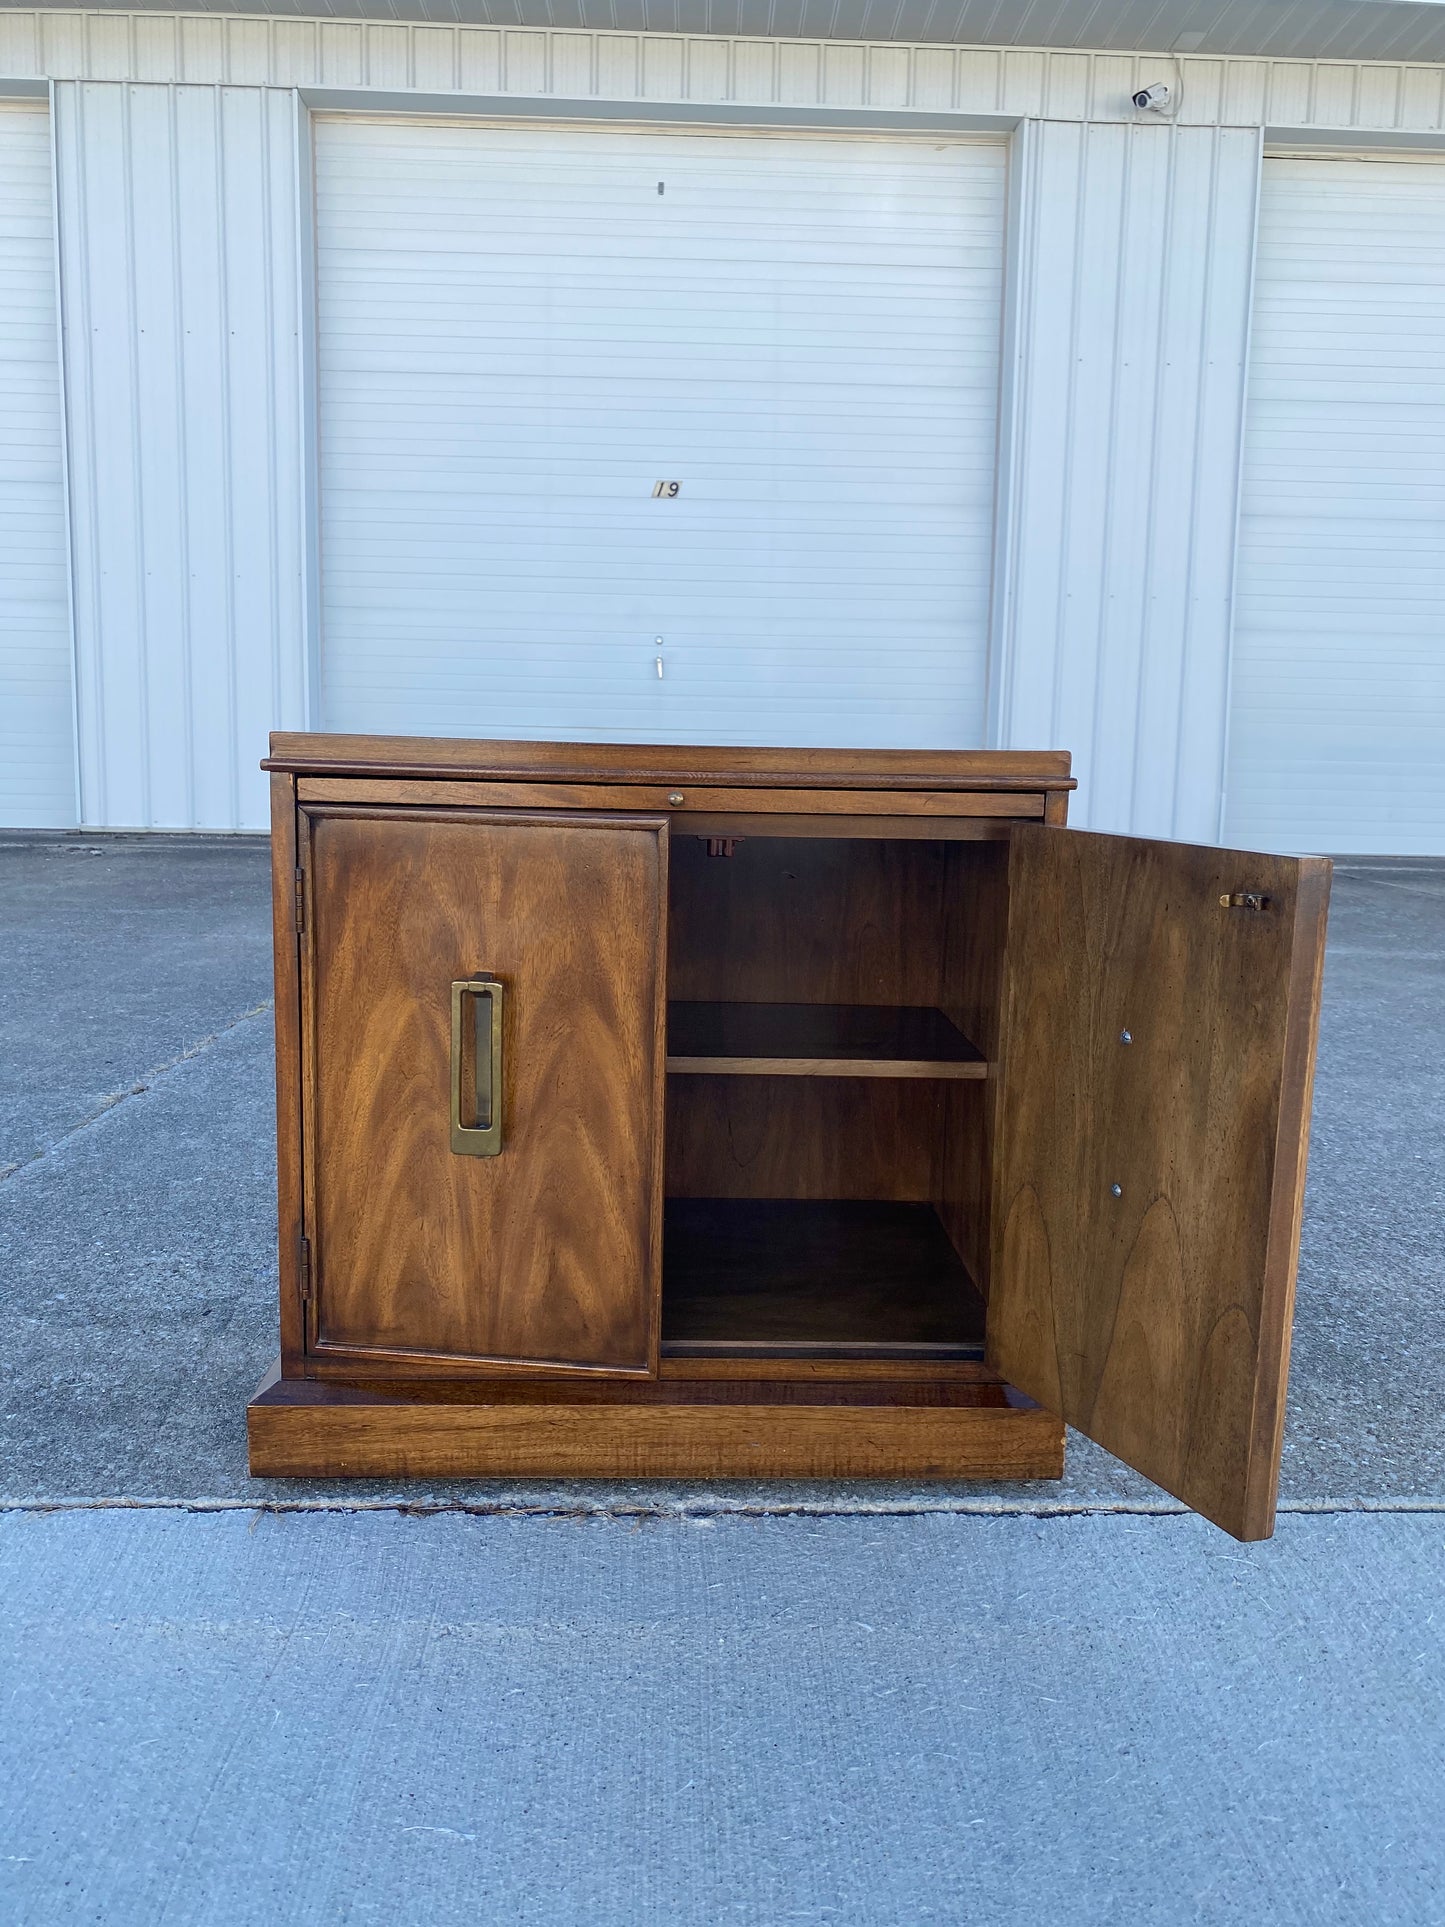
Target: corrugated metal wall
x,y
1135,246
706,69
179,210
37,755
182,209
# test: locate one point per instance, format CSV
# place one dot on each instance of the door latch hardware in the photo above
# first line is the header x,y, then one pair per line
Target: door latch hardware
x,y
1243,900
476,1108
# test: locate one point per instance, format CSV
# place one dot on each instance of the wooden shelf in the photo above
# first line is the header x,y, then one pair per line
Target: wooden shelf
x,y
830,1278
817,1040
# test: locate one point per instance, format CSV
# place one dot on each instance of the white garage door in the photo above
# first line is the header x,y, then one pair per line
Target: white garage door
x,y
524,332
37,735
1338,718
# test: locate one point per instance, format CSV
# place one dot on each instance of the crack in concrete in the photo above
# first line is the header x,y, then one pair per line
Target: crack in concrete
x,y
148,1079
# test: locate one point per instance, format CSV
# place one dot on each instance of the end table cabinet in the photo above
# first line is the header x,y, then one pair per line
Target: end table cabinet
x,y
704,1113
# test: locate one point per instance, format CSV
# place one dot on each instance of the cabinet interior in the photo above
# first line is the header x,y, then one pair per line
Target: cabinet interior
x,y
832,1029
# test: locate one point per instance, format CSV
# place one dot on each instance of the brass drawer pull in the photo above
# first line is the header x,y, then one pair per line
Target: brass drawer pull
x,y
476,1067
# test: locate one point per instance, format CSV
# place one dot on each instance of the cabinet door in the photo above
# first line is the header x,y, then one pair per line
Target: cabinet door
x,y
1157,1053
483,1172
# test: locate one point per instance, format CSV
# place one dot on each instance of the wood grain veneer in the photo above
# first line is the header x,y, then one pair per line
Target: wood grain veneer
x,y
286,962
804,1137
310,754
299,1429
1149,1192
814,1278
547,1255
817,1040
681,804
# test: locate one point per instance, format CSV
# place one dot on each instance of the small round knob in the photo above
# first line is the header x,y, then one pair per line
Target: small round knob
x,y
676,798
1116,1190
1126,1037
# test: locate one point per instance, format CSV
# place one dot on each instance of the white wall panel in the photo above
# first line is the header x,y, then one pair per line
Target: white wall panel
x,y
1395,95
179,210
523,330
1337,737
1133,296
37,735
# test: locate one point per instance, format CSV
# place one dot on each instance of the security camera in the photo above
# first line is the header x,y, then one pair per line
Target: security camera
x,y
1153,100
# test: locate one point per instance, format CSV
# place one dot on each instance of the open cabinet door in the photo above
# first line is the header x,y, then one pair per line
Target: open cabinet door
x,y
1157,1055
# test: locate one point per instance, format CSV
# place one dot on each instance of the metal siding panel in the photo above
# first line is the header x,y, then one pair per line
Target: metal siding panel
x,y
755,71
1175,428
934,73
480,65
1214,511
1201,101
293,52
1337,735
37,733
1420,98
1337,33
109,55
205,421
253,422
203,49
662,69
62,44
20,55
160,523
979,81
800,69
1135,251
182,350
1089,482
867,57
156,48
709,63
1044,378
105,431
524,69
292,447
518,336
1136,457
248,53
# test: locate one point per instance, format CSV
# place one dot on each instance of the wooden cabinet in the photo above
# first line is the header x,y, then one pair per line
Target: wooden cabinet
x,y
731,1112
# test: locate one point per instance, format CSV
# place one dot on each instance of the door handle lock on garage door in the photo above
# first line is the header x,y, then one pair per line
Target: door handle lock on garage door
x,y
476,1066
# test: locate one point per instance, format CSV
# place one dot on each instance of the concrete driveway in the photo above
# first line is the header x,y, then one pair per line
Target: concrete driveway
x,y
649,1702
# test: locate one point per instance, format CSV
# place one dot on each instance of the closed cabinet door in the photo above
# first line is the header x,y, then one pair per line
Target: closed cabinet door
x,y
1156,1061
482,1017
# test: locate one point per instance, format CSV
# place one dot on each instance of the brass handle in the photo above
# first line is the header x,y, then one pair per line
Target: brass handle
x,y
476,1067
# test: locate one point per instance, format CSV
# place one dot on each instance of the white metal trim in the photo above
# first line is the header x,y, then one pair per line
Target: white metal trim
x,y
1243,430
422,58
63,379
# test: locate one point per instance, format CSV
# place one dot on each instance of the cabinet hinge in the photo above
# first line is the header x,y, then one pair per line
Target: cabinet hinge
x,y
303,1266
300,900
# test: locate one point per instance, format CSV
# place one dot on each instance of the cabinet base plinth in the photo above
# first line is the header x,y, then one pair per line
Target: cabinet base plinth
x,y
299,1428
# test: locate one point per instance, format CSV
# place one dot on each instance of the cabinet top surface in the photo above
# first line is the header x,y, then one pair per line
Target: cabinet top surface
x,y
937,769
